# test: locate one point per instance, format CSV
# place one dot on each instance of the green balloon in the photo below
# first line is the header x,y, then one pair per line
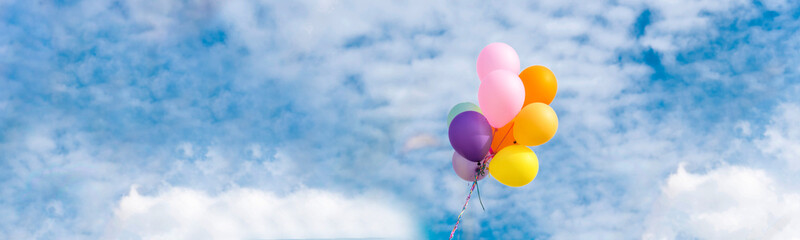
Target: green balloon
x,y
460,108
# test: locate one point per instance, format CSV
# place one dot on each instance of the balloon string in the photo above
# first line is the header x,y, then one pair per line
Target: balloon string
x,y
481,172
504,136
479,193
462,209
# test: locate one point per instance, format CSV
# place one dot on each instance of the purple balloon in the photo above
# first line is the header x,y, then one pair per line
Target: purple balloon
x,y
467,169
471,135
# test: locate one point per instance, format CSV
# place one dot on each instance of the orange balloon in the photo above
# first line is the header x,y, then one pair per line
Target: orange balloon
x,y
503,137
540,85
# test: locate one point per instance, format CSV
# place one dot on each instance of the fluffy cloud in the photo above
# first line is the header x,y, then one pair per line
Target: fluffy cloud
x,y
730,202
782,135
242,213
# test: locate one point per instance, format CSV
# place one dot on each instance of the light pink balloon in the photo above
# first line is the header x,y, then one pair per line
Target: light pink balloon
x,y
467,169
497,56
501,96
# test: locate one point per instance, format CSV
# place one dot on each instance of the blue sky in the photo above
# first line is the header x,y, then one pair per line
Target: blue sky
x,y
327,119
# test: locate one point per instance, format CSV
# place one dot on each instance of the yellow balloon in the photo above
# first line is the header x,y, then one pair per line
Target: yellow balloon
x,y
514,166
535,124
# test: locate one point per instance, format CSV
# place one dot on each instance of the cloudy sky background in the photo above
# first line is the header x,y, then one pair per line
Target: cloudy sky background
x,y
327,119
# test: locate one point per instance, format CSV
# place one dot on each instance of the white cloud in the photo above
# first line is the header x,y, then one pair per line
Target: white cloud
x,y
162,20
727,203
420,141
680,25
187,149
782,135
40,142
744,128
242,213
776,5
255,150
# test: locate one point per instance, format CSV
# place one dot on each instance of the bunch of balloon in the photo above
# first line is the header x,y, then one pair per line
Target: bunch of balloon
x,y
513,112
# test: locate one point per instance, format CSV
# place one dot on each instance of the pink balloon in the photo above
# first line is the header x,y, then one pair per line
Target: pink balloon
x,y
467,169
501,96
497,56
